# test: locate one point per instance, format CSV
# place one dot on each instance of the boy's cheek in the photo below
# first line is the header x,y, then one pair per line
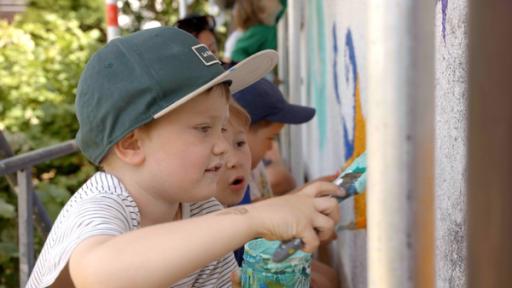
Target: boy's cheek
x,y
257,156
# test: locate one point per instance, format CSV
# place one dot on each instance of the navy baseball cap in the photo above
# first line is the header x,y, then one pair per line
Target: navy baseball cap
x,y
263,101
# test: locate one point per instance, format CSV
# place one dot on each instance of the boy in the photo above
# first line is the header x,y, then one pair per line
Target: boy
x,y
234,179
269,112
151,109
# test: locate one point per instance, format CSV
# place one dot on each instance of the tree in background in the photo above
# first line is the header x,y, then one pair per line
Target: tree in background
x,y
41,58
90,14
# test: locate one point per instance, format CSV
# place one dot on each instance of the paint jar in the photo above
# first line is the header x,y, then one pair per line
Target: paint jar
x,y
258,269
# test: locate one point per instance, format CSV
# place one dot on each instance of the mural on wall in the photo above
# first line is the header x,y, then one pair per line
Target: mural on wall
x,y
333,85
353,123
335,82
316,82
444,8
348,98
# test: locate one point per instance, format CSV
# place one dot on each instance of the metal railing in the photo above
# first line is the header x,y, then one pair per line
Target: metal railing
x,y
29,203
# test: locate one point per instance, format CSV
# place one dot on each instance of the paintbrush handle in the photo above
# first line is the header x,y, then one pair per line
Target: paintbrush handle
x,y
347,182
287,249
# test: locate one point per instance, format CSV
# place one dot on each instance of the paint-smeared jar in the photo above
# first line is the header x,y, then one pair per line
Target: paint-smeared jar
x,y
258,269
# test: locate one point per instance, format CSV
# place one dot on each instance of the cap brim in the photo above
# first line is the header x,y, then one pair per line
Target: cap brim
x,y
293,114
240,76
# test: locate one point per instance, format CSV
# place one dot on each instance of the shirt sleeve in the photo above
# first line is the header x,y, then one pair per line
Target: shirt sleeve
x,y
79,220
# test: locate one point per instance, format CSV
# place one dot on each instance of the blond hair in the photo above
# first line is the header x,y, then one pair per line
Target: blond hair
x,y
247,13
238,116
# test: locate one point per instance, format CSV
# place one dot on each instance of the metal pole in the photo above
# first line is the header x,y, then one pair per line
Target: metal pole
x,y
282,76
18,162
294,21
112,24
183,8
490,142
46,223
401,144
25,225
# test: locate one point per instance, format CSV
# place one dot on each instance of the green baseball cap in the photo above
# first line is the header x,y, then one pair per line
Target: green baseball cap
x,y
136,79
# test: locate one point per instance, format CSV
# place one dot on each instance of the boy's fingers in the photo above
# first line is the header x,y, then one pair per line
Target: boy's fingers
x,y
329,207
324,226
320,188
328,178
310,240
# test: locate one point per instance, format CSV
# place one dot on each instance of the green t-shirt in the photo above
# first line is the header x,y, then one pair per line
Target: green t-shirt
x,y
255,39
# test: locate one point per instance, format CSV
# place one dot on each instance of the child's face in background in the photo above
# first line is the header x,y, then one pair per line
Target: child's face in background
x,y
207,38
234,179
260,140
270,10
184,149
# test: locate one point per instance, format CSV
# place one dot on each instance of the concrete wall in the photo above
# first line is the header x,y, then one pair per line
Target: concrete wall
x,y
451,118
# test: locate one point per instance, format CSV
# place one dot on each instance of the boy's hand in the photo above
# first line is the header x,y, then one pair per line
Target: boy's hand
x,y
326,178
306,215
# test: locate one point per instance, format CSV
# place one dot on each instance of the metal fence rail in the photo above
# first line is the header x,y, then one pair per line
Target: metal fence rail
x,y
28,202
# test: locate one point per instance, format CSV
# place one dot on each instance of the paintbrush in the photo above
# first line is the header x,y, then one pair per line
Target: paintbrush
x,y
352,181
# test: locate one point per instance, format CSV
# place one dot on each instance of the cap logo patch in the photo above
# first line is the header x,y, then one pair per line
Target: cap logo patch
x,y
205,55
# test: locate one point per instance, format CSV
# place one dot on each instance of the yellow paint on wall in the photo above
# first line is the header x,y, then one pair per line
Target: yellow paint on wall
x,y
359,148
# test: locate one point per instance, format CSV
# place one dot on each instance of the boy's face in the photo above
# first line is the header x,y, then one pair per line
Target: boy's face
x,y
260,140
233,180
207,38
184,149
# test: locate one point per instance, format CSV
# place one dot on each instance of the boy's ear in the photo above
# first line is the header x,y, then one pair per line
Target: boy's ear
x,y
129,149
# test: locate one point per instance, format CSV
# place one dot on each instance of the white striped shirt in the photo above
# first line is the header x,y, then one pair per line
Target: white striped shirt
x,y
102,206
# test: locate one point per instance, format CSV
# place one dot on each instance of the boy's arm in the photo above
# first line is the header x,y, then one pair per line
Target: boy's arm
x,y
160,255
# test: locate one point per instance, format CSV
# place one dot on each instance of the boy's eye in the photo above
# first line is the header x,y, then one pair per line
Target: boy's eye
x,y
223,130
204,129
240,144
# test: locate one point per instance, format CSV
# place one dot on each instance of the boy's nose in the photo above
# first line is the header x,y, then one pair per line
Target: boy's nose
x,y
221,146
231,161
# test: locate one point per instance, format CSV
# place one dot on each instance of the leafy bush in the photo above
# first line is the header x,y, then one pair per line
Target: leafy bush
x,y
89,13
41,58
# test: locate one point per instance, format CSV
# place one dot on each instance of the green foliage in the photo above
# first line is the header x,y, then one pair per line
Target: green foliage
x,y
166,12
41,57
8,247
89,13
40,63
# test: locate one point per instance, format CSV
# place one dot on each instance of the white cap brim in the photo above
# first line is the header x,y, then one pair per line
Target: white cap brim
x,y
241,75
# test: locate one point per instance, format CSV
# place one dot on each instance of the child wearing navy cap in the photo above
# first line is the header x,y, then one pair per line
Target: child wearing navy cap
x,y
269,112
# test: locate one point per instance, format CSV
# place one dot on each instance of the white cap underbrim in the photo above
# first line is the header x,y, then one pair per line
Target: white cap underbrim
x,y
241,75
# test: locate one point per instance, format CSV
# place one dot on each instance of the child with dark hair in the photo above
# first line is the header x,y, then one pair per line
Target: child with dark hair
x,y
202,27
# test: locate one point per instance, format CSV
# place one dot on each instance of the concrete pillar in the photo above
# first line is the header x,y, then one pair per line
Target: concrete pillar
x,y
400,144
